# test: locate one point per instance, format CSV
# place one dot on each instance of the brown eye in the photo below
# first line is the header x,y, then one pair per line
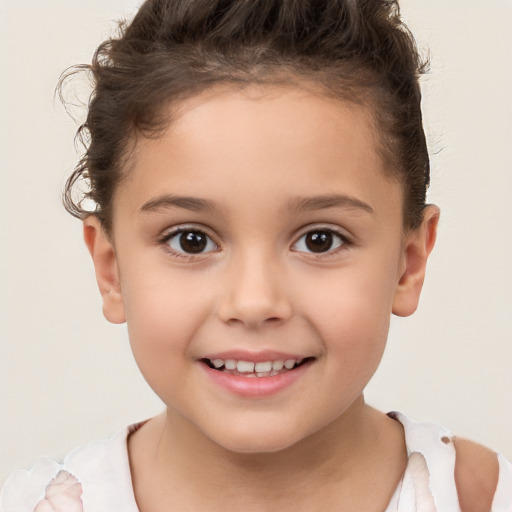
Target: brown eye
x,y
319,241
191,242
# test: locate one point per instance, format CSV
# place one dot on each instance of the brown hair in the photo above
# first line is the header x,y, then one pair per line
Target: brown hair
x,y
173,49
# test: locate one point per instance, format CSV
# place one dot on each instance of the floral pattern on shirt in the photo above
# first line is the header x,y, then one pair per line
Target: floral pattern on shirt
x,y
62,494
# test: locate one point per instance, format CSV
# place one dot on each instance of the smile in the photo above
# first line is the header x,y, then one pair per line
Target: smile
x,y
255,376
254,369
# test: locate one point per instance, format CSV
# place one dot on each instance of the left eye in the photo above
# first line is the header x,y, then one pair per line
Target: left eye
x,y
318,241
191,241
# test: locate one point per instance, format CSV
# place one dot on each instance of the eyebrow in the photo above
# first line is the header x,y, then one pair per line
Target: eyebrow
x,y
193,204
328,201
196,204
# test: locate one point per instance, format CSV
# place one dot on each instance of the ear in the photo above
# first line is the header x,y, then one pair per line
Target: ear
x,y
107,272
418,245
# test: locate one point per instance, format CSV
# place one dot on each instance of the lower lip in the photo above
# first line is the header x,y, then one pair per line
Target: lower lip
x,y
256,387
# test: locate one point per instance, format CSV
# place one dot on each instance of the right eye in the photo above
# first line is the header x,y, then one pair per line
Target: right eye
x,y
190,241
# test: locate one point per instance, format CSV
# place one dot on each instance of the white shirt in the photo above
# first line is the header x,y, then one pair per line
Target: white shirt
x,y
96,477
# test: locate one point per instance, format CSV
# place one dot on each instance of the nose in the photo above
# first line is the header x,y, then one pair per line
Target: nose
x,y
253,293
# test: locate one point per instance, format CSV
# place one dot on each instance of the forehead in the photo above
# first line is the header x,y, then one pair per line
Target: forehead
x,y
276,141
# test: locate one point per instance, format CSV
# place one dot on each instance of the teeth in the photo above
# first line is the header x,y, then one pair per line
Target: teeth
x,y
263,367
277,365
260,369
230,364
245,366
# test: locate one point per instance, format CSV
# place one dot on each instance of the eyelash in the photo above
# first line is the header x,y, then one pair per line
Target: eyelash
x,y
165,241
344,242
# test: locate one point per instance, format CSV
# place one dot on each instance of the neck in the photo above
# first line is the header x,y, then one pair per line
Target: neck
x,y
332,464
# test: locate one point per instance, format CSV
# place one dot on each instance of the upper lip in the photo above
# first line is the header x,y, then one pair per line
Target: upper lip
x,y
256,357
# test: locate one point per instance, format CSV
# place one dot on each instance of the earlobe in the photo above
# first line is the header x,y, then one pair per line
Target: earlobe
x,y
105,264
418,246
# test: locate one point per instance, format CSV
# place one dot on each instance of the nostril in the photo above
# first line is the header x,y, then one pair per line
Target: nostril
x,y
253,319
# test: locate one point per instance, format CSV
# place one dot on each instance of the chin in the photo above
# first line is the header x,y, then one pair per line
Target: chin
x,y
258,439
248,446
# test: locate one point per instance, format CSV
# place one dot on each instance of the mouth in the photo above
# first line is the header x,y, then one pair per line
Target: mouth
x,y
252,369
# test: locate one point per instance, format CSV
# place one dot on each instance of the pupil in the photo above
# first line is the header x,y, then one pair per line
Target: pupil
x,y
320,241
193,241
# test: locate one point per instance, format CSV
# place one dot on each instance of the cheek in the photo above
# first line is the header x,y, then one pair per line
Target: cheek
x,y
163,314
351,314
357,300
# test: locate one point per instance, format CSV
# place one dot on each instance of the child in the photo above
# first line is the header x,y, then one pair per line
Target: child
x,y
259,171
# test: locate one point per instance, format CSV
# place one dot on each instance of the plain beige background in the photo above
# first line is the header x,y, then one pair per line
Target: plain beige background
x,y
67,376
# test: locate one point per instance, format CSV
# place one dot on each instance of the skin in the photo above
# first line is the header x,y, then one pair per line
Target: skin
x,y
254,155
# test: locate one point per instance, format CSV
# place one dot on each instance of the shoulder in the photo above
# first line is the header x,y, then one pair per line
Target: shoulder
x,y
23,489
462,474
91,472
476,475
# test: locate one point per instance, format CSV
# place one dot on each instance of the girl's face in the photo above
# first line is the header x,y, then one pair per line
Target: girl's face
x,y
259,230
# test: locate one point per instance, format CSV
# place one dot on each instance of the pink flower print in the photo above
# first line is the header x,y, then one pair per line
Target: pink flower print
x,y
62,494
